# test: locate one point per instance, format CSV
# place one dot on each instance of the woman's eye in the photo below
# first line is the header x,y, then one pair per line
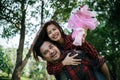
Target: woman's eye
x,y
49,32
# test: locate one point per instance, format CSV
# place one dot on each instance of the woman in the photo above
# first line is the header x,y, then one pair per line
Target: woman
x,y
52,31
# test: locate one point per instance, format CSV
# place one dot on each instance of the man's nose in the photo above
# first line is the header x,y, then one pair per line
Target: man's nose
x,y
51,51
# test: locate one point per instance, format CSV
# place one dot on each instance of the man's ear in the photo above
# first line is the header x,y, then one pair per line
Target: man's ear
x,y
44,59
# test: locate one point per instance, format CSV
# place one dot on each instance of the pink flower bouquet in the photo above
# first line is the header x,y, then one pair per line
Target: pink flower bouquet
x,y
81,19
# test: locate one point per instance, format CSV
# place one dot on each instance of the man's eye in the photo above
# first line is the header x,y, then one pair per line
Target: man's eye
x,y
45,52
51,46
54,29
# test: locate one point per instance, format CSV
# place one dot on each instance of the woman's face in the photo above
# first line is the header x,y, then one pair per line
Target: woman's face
x,y
54,33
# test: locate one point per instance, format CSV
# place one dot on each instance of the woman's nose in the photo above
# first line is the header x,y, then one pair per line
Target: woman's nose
x,y
53,32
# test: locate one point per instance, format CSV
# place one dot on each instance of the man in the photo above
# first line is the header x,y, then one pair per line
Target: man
x,y
50,53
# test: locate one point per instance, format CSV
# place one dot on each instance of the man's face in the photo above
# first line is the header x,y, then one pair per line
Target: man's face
x,y
49,51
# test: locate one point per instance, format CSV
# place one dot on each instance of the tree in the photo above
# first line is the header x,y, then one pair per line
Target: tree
x,y
14,14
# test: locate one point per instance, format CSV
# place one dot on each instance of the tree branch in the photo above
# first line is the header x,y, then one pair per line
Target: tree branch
x,y
9,20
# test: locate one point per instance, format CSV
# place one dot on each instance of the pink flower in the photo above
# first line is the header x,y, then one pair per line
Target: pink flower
x,y
82,17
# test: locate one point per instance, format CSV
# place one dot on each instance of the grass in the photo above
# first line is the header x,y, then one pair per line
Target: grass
x,y
4,76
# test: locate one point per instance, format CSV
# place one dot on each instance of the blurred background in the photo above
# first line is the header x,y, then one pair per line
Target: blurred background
x,y
20,20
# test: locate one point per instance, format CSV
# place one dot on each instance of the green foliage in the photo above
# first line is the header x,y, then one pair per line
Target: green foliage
x,y
62,9
5,63
38,68
10,14
4,76
106,37
9,32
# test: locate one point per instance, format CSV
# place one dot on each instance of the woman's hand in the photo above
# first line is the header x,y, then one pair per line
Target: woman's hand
x,y
84,36
70,60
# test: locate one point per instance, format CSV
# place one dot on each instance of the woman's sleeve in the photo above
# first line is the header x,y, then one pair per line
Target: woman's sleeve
x,y
90,49
92,52
54,68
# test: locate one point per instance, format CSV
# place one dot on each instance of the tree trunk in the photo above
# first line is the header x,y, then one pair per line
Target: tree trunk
x,y
19,63
16,74
18,68
42,8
